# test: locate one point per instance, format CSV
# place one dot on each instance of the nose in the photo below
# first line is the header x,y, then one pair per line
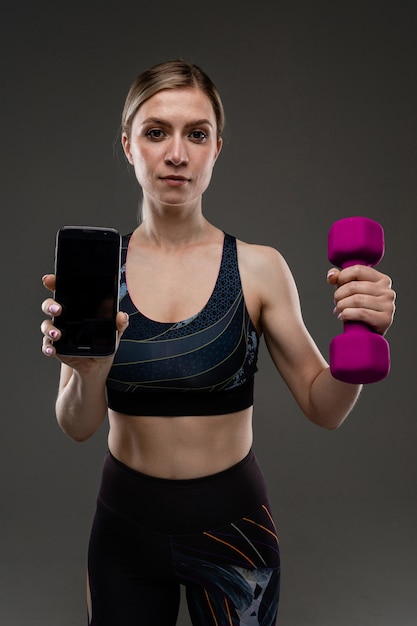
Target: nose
x,y
176,153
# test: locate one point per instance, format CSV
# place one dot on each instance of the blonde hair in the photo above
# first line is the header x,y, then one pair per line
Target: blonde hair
x,y
170,75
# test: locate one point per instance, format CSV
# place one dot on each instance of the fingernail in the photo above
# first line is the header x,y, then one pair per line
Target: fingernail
x,y
54,308
48,351
53,334
331,273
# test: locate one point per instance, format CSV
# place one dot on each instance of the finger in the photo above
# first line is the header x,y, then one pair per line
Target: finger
x,y
333,276
362,301
362,272
49,281
122,322
51,307
380,321
359,290
49,330
48,348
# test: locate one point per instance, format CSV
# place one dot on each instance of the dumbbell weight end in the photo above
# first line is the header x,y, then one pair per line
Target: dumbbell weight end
x,y
359,355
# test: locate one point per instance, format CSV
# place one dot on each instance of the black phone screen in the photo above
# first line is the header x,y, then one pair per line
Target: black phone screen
x,y
87,266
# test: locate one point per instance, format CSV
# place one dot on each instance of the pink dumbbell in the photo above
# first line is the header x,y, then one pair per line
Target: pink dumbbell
x,y
359,355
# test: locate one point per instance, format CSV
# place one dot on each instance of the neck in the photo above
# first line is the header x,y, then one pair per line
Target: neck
x,y
174,226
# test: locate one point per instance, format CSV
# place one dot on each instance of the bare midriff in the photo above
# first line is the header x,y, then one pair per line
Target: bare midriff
x,y
183,447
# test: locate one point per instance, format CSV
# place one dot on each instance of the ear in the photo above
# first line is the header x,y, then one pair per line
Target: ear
x,y
219,147
126,148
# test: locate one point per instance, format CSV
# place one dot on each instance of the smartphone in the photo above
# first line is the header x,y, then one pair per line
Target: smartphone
x,y
87,268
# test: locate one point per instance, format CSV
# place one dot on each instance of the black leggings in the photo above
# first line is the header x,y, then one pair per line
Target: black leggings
x,y
215,535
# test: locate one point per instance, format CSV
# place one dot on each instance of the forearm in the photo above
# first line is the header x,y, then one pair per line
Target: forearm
x,y
331,400
81,406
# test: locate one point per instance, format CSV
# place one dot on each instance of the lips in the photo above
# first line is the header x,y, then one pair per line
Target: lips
x,y
175,178
175,181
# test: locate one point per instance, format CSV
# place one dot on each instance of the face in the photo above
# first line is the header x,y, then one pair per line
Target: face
x,y
173,146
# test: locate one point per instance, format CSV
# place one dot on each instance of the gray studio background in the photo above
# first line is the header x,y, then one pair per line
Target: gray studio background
x,y
321,104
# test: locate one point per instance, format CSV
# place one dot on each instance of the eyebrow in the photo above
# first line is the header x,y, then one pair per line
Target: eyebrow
x,y
155,120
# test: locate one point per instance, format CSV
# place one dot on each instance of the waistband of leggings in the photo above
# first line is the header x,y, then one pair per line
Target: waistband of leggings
x,y
184,482
182,506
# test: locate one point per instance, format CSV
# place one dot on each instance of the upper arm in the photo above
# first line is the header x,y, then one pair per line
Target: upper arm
x,y
289,343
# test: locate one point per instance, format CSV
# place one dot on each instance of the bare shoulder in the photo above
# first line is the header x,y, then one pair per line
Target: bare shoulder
x,y
268,284
262,262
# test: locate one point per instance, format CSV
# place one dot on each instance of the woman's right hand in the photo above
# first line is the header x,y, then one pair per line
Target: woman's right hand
x,y
51,333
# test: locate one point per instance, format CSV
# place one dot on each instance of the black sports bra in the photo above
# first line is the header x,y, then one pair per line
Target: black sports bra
x,y
203,365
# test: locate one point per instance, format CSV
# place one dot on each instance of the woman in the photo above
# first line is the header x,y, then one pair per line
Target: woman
x,y
182,498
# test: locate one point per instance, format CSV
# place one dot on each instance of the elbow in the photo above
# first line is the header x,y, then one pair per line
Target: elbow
x,y
76,434
333,425
80,438
330,422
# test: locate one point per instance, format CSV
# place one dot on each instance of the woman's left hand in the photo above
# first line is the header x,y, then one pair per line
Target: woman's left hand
x,y
363,294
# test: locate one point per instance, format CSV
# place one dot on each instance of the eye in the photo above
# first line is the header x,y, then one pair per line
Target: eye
x,y
200,136
156,134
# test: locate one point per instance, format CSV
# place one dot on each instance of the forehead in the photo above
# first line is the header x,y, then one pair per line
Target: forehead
x,y
181,103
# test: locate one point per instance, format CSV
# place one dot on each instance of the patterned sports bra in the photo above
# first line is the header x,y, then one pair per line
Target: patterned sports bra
x,y
204,365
